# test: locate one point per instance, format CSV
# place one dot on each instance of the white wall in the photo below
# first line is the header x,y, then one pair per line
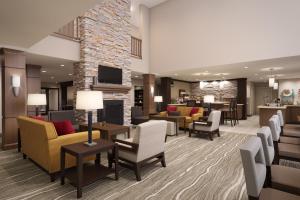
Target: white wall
x,y
57,47
141,30
293,84
188,34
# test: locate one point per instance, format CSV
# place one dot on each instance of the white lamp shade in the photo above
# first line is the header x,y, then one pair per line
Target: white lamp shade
x,y
16,80
158,99
89,100
209,99
271,82
275,86
36,100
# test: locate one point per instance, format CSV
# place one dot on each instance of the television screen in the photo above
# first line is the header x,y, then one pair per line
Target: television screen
x,y
109,75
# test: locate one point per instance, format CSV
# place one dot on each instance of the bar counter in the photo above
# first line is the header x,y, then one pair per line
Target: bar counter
x,y
291,113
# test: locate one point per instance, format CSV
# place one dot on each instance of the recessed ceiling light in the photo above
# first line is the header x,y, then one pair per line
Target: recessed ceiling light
x,y
70,74
136,76
201,73
44,71
271,69
62,65
52,77
246,67
222,74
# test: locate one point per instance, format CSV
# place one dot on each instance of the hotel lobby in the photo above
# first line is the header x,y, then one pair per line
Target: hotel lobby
x,y
150,99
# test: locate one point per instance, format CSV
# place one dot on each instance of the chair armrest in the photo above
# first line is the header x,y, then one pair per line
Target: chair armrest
x,y
202,123
127,146
72,138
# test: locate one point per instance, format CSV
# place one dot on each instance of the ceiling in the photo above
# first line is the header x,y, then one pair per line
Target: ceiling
x,y
52,71
257,71
149,3
25,22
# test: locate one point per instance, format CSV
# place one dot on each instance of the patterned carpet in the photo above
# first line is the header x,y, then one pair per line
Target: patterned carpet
x,y
196,169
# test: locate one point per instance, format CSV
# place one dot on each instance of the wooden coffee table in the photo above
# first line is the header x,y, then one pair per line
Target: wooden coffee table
x,y
87,173
175,119
108,131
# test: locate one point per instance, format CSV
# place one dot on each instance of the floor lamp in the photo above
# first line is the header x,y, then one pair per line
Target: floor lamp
x,y
36,100
158,100
89,101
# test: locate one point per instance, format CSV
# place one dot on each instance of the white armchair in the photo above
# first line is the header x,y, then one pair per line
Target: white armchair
x,y
210,127
147,143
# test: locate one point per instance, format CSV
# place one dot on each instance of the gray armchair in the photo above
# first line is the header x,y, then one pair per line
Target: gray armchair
x,y
280,177
253,161
211,126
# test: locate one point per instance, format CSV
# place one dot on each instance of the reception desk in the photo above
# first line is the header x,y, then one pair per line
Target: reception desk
x,y
291,113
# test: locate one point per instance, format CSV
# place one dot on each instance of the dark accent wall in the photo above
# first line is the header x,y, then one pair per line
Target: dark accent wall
x,y
33,74
12,63
64,93
148,95
165,89
242,94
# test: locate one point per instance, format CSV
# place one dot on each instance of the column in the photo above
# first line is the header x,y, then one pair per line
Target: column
x,y
148,96
13,63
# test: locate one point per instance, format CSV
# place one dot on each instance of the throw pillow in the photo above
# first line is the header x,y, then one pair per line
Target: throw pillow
x,y
64,127
59,126
194,111
69,127
171,108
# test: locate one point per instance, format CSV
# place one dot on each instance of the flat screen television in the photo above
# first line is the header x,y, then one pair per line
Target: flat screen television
x,y
109,75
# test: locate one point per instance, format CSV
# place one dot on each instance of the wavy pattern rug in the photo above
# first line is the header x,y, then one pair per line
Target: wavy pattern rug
x,y
196,169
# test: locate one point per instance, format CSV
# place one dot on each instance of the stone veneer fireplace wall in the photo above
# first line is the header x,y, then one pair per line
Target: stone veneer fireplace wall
x,y
105,40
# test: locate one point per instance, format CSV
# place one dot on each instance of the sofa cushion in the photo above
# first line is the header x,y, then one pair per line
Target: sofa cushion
x,y
171,108
184,111
194,111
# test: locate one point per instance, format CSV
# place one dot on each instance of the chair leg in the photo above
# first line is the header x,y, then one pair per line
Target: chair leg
x,y
24,156
52,177
137,170
210,136
218,132
190,133
163,160
231,118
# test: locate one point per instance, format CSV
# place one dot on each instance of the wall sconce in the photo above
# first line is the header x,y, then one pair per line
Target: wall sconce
x,y
16,83
152,90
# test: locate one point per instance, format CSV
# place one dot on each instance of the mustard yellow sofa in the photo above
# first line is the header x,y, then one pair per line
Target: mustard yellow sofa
x,y
185,111
40,143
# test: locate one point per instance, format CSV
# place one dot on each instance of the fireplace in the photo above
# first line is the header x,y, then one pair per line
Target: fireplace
x,y
113,112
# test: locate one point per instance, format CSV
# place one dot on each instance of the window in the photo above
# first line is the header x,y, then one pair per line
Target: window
x,y
136,47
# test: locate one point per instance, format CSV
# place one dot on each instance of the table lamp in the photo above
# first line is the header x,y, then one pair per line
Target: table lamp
x,y
36,100
209,99
158,100
89,101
